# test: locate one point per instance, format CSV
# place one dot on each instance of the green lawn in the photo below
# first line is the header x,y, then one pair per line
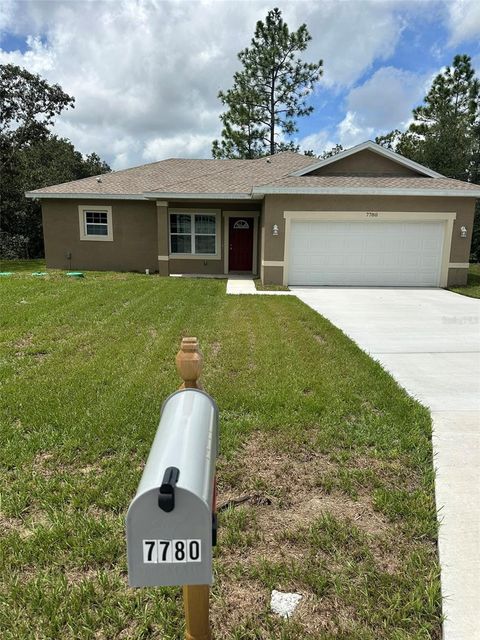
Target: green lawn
x,y
21,266
334,457
472,288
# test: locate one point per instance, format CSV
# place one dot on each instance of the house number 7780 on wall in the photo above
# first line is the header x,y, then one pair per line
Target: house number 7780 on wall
x,y
167,551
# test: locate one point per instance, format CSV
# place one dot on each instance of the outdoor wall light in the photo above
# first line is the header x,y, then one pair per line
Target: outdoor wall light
x,y
275,230
463,232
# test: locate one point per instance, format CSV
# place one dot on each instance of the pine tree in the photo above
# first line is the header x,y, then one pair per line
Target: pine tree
x,y
269,93
442,133
445,132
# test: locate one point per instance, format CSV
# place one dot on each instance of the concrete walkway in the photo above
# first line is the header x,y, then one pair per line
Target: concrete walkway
x,y
429,340
246,286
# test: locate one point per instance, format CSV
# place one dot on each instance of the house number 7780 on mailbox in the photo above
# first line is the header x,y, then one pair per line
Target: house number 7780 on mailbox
x,y
159,551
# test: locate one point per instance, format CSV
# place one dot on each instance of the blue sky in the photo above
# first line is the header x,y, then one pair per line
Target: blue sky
x,y
145,74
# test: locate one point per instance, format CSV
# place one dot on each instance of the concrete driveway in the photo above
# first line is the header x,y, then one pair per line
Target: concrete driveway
x,y
429,340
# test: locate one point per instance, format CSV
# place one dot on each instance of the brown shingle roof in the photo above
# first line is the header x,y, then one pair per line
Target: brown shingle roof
x,y
370,182
177,175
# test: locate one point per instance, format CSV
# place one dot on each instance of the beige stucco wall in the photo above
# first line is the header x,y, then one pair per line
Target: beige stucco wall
x,y
275,205
140,232
140,236
364,163
134,245
457,277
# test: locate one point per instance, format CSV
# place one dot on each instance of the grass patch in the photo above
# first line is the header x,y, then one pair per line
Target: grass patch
x,y
269,287
472,288
333,458
22,265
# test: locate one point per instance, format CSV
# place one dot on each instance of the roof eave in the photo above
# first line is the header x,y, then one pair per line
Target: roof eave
x,y
367,191
34,195
376,148
44,195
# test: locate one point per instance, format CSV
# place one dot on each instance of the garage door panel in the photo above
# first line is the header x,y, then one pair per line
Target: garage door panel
x,y
365,254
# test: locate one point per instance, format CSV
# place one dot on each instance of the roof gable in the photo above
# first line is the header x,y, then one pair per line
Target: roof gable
x,y
326,166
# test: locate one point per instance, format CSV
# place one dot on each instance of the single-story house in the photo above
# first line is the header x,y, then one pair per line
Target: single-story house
x,y
364,217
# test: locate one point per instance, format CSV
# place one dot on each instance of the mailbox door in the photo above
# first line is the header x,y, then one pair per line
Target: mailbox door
x,y
169,549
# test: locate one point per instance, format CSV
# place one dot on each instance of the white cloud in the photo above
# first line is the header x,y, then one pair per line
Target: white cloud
x,y
317,142
463,20
350,36
193,145
146,75
384,102
352,131
6,14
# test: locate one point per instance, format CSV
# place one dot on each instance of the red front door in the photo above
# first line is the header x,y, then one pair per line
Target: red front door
x,y
240,235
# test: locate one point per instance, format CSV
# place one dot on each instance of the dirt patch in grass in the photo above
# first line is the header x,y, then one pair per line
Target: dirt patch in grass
x,y
8,525
287,468
272,505
39,355
23,347
232,606
42,465
216,347
24,527
97,512
76,576
324,615
25,342
289,480
128,632
88,469
47,466
366,404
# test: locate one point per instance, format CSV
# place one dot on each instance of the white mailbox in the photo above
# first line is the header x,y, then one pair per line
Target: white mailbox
x,y
170,522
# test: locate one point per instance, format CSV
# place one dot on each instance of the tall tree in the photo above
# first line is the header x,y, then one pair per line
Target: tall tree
x,y
445,132
241,137
441,135
30,157
28,106
269,93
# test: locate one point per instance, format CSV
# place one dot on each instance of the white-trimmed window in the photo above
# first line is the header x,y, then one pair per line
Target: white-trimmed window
x,y
95,222
195,234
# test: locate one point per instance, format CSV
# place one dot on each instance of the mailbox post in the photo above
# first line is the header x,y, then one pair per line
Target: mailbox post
x,y
171,520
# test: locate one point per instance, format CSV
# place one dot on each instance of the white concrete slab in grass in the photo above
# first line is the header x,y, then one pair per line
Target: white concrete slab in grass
x,y
241,286
429,340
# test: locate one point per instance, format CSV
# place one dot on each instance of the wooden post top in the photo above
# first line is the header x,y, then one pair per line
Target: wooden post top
x,y
189,363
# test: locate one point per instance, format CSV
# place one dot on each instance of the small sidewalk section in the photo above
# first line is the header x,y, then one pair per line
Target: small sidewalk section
x,y
246,286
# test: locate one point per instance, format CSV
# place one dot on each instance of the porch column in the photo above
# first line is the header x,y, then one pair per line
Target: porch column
x,y
162,237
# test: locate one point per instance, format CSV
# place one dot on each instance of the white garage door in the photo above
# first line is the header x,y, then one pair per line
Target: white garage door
x,y
365,253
